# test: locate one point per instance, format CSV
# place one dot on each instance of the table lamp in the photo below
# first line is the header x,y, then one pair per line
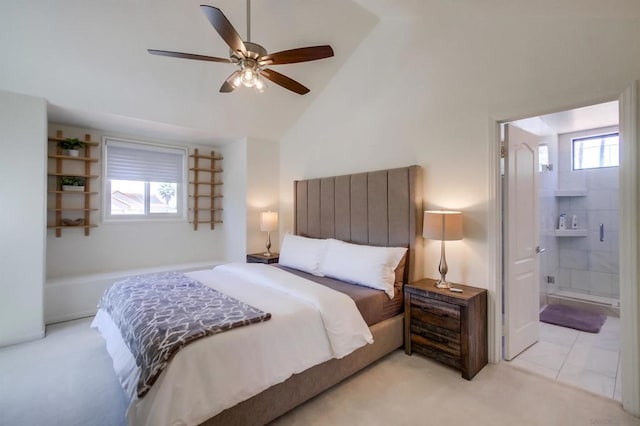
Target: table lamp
x,y
444,226
268,223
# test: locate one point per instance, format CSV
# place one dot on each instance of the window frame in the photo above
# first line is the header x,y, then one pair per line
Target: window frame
x,y
181,187
595,136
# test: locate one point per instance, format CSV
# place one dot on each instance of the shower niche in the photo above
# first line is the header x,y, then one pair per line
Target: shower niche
x,y
578,231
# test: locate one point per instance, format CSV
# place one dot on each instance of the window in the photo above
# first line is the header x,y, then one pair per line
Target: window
x,y
596,152
543,158
143,181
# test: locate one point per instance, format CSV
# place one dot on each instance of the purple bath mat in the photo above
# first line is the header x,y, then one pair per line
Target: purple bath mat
x,y
568,316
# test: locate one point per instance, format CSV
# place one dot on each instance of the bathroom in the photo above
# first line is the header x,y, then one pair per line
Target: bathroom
x,y
579,260
580,265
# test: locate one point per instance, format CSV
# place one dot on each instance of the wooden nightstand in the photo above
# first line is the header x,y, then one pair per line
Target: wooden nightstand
x,y
446,326
263,258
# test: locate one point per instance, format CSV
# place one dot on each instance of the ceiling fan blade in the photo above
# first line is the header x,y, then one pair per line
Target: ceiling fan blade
x,y
284,81
293,56
227,86
224,28
187,56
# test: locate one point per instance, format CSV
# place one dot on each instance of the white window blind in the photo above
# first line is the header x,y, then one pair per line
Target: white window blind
x,y
147,163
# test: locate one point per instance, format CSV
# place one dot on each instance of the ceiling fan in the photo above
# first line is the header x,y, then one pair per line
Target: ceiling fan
x,y
251,58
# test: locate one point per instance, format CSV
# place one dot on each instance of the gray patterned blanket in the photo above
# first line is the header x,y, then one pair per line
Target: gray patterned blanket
x,y
158,314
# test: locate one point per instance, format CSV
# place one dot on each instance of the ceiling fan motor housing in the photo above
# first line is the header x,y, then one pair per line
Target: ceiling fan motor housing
x,y
254,51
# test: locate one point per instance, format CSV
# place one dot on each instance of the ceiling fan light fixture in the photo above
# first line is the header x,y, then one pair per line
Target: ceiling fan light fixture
x,y
249,72
248,77
260,84
237,81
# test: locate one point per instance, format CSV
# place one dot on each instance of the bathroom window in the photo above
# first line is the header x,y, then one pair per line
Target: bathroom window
x,y
543,158
595,152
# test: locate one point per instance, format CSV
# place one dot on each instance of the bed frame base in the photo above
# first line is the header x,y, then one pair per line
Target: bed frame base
x,y
283,397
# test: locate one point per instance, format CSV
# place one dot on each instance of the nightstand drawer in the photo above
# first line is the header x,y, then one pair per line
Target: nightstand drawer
x,y
435,312
434,353
436,337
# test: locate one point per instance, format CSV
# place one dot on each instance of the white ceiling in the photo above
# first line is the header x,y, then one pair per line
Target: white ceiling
x,y
586,118
89,60
574,120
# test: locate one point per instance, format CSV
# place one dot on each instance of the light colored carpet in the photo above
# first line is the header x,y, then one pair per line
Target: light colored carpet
x,y
67,379
64,379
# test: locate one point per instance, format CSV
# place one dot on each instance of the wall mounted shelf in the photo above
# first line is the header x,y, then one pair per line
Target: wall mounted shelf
x,y
205,208
571,232
73,175
571,193
78,202
72,192
86,227
73,210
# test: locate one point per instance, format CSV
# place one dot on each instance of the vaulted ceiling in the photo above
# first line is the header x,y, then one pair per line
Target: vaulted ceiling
x,y
89,60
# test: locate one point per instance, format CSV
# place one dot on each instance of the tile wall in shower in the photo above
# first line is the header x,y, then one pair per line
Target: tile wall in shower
x,y
548,218
586,264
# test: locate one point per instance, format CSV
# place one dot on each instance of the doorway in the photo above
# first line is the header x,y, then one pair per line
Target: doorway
x,y
577,233
629,248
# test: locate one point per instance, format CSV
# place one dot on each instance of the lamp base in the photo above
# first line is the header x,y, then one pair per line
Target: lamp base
x,y
442,284
268,245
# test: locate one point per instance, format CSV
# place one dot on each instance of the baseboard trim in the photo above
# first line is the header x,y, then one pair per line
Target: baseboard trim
x,y
71,316
23,338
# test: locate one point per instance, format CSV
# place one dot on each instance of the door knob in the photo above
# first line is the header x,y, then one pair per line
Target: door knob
x,y
540,250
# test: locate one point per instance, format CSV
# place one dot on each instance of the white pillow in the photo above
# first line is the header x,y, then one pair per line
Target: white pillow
x,y
365,265
304,254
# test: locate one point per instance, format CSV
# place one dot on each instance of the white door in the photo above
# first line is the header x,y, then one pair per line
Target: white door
x,y
629,256
522,300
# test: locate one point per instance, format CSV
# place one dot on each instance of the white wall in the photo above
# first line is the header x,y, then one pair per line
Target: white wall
x,y
263,170
75,282
23,142
235,200
121,246
427,86
427,83
80,268
251,186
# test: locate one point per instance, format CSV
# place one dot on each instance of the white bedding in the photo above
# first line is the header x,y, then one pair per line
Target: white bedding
x,y
309,324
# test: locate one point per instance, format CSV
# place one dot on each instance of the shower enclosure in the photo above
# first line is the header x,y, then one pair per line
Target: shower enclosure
x,y
579,178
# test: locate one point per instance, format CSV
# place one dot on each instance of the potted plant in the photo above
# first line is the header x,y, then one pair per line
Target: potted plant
x,y
72,183
71,146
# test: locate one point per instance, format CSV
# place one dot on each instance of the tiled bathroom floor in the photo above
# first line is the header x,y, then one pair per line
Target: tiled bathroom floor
x,y
587,360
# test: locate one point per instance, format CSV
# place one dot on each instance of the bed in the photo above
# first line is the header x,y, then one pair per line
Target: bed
x,y
377,209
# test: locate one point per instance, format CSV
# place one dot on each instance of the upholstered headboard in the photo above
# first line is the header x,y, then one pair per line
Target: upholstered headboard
x,y
381,208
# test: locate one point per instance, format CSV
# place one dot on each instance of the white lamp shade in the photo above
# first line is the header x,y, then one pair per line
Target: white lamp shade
x,y
442,225
268,221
